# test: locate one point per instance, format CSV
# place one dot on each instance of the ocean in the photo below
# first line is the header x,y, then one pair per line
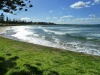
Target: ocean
x,y
78,38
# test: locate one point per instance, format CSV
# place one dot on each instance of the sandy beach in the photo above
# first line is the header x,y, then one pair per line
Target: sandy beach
x,y
3,29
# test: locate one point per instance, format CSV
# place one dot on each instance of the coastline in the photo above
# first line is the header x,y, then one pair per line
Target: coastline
x,y
55,49
45,60
3,29
53,45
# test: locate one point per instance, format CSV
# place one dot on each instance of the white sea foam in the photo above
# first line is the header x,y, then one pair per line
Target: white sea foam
x,y
76,46
60,32
55,32
4,29
95,35
21,32
25,34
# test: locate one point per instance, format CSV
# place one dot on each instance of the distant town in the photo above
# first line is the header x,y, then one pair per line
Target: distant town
x,y
6,21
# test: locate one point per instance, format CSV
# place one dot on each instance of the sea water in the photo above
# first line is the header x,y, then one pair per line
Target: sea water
x,y
78,38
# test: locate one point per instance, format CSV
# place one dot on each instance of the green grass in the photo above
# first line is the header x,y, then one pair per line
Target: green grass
x,y
20,58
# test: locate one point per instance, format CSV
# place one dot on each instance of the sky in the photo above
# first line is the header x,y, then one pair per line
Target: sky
x,y
61,12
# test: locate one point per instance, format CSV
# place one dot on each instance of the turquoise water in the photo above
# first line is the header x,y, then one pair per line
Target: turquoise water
x,y
78,38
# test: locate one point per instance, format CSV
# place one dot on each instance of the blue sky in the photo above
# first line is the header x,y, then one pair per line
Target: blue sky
x,y
62,11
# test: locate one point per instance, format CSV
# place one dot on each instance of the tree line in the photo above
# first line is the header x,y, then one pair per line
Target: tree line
x,y
7,21
12,6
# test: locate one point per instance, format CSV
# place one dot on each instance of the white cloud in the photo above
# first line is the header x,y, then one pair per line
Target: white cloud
x,y
26,18
91,19
89,2
54,17
80,4
92,16
68,16
8,14
97,1
63,19
51,18
87,20
81,21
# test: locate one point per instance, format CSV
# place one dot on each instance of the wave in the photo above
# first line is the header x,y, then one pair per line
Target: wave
x,y
76,37
84,38
94,39
3,30
55,32
71,34
60,40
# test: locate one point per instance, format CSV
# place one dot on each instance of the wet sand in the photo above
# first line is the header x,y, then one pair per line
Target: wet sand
x,y
3,29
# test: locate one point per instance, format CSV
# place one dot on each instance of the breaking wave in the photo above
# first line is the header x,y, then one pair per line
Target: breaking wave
x,y
75,39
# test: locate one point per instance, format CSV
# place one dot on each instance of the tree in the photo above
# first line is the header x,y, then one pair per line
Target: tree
x,y
7,19
10,6
1,17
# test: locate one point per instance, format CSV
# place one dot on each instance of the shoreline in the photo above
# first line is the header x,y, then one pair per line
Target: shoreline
x,y
57,49
3,29
24,57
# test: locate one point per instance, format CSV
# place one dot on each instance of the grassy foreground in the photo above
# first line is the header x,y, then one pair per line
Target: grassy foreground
x,y
20,58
